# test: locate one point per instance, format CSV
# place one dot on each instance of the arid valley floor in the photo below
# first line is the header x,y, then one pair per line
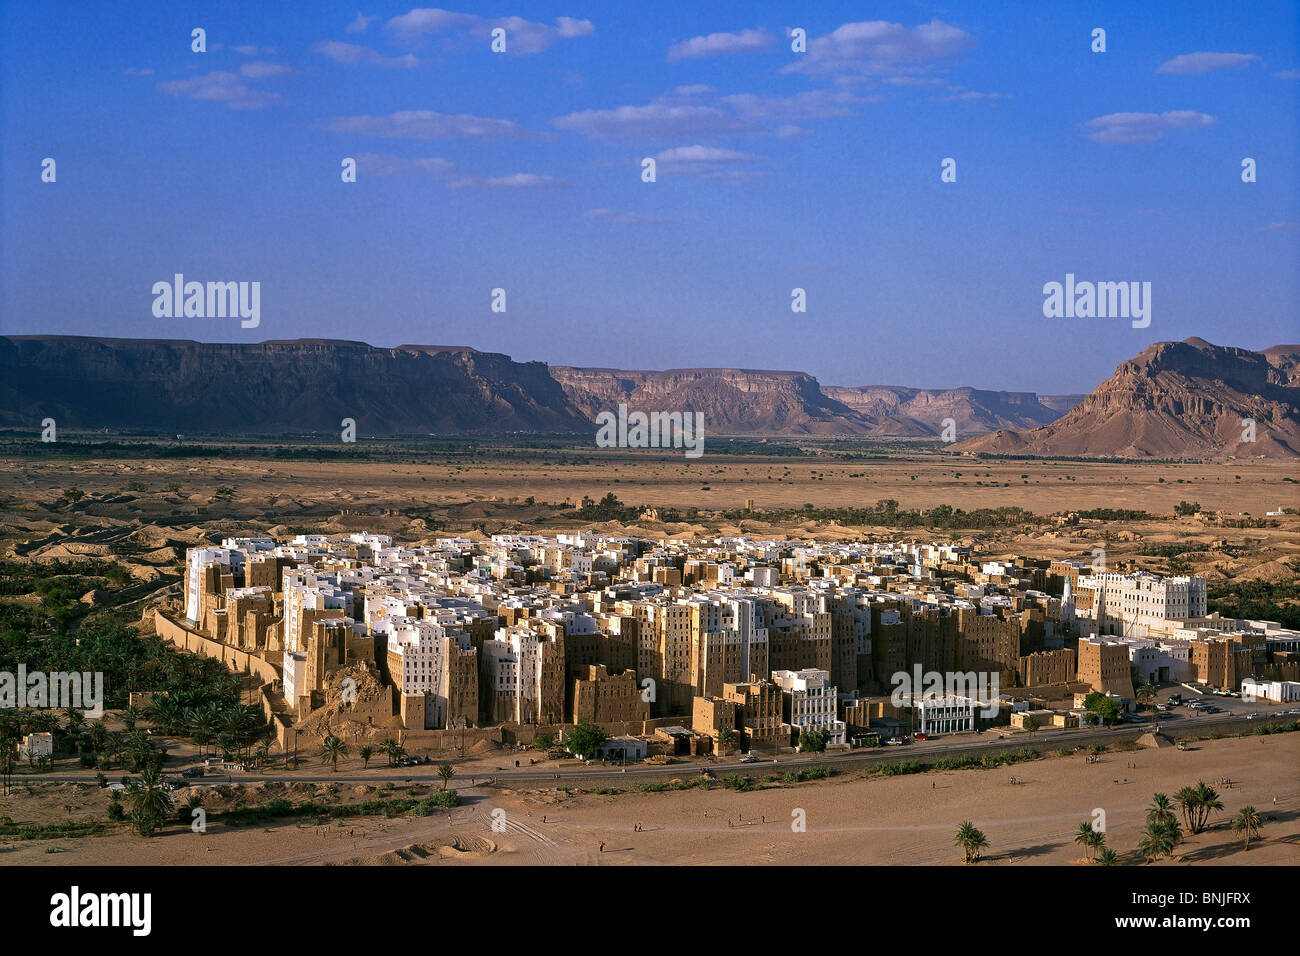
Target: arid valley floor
x,y
850,820
142,504
144,508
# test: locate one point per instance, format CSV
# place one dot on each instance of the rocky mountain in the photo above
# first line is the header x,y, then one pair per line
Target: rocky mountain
x,y
733,401
753,401
293,387
896,410
1176,400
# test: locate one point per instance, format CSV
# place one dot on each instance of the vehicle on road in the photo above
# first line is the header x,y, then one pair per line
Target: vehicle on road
x,y
749,758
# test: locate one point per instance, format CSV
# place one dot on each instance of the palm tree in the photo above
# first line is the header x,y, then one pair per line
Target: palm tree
x,y
1160,810
388,747
365,753
98,736
202,722
726,737
74,720
1247,822
1207,802
129,717
1083,836
1107,857
1186,801
8,747
446,771
1160,838
332,749
971,840
165,714
115,745
150,803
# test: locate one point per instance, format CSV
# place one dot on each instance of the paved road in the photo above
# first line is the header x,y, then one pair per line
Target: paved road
x,y
596,775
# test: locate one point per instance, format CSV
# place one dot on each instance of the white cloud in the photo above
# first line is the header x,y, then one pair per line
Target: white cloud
x,y
811,104
360,23
721,44
523,37
1205,62
654,121
621,217
880,48
1144,127
972,96
689,91
426,124
708,162
261,69
352,53
448,173
220,87
1288,75
790,131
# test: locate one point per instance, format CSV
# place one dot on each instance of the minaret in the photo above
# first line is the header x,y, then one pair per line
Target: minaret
x,y
1067,605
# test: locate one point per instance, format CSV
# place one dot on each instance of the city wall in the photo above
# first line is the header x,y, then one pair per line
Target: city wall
x,y
238,661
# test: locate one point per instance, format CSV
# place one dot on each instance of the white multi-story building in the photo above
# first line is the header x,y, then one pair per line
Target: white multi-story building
x,y
306,589
294,676
946,715
1129,605
196,559
810,703
420,648
527,669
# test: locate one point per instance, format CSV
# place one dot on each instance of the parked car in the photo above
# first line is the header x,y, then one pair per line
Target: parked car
x,y
192,772
894,742
922,736
749,758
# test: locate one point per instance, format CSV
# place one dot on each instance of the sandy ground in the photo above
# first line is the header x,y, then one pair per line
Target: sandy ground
x,y
882,820
654,478
150,527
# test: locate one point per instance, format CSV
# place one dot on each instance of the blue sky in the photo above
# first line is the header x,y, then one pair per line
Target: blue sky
x,y
776,170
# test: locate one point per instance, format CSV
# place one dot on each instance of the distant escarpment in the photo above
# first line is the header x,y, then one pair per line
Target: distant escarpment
x,y
293,387
1186,399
